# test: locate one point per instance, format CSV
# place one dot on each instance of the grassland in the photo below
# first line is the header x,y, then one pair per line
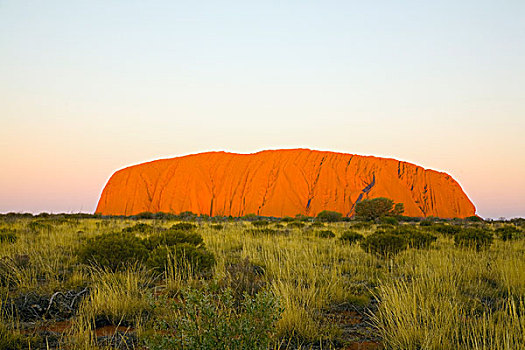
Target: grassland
x,y
309,290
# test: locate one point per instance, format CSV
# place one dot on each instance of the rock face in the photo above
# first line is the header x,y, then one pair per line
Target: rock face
x,y
279,183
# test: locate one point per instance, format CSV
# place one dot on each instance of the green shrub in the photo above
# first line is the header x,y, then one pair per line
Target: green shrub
x,y
184,256
414,237
217,227
373,209
316,224
301,217
419,239
351,237
173,237
264,231
8,235
139,227
113,251
474,238
384,244
183,226
329,216
388,220
363,225
447,230
506,233
474,218
260,223
296,224
425,223
207,320
325,234
402,230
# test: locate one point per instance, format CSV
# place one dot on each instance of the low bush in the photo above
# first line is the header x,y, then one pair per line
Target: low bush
x,y
260,223
139,227
325,234
419,239
264,231
474,238
296,224
384,244
217,227
425,223
506,233
388,220
212,321
361,225
183,226
316,224
173,237
329,216
414,237
447,230
113,251
351,237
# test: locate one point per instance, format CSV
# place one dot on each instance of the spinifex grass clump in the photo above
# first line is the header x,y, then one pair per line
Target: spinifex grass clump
x,y
325,234
471,237
244,278
195,259
8,235
212,320
38,227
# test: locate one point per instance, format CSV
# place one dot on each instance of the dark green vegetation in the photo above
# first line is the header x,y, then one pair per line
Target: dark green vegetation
x,y
377,208
155,282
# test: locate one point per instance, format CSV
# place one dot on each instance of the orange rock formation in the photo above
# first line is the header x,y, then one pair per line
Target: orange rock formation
x,y
279,183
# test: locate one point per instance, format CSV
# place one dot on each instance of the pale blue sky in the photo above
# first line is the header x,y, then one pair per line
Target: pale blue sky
x,y
87,87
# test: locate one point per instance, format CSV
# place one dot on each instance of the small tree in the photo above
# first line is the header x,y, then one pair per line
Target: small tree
x,y
374,209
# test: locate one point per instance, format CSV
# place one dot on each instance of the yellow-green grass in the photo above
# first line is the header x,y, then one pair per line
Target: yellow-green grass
x,y
444,297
